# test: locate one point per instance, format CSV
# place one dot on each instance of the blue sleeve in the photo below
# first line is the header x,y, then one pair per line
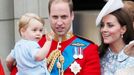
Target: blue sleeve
x,y
12,53
33,48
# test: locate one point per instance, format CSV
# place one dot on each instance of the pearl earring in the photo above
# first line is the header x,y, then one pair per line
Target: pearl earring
x,y
121,35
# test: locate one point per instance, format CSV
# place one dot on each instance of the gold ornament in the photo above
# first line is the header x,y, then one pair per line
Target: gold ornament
x,y
58,65
55,54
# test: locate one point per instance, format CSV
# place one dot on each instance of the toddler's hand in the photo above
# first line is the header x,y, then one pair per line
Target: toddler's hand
x,y
49,36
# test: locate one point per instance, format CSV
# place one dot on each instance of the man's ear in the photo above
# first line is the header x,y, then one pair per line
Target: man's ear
x,y
72,14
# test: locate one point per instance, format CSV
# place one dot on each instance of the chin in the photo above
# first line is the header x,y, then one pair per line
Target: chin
x,y
37,40
106,42
60,33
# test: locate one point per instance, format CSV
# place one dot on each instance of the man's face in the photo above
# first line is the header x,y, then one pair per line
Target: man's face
x,y
60,18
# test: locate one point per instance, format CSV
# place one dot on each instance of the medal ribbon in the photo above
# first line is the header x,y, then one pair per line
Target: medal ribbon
x,y
68,55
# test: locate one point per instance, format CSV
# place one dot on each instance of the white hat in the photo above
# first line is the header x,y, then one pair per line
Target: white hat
x,y
109,7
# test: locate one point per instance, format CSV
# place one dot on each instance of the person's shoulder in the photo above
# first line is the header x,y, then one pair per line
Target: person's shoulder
x,y
91,47
24,42
85,39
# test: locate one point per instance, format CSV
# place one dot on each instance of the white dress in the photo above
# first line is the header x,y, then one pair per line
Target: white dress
x,y
112,62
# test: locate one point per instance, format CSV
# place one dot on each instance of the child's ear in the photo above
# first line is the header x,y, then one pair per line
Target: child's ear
x,y
22,30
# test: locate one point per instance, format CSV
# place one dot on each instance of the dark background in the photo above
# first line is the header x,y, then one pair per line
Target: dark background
x,y
81,5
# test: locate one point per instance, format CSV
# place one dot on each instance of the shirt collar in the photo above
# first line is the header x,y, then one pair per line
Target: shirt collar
x,y
121,56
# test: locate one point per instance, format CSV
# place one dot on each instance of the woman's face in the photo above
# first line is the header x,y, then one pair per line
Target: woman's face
x,y
111,30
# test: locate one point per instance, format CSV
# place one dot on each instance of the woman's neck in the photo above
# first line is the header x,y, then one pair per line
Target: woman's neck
x,y
117,46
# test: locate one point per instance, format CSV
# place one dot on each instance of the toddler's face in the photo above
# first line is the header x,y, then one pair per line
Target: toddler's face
x,y
33,31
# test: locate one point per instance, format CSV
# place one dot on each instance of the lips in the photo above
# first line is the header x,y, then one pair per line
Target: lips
x,y
60,29
37,38
105,35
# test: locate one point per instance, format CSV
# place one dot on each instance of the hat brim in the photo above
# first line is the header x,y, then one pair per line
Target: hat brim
x,y
109,7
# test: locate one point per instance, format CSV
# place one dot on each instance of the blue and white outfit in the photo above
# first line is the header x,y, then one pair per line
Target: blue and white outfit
x,y
112,62
24,53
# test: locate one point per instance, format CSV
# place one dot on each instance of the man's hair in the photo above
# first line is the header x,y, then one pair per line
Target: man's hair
x,y
70,4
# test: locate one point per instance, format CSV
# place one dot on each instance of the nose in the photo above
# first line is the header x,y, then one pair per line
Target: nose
x,y
59,22
103,29
38,33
